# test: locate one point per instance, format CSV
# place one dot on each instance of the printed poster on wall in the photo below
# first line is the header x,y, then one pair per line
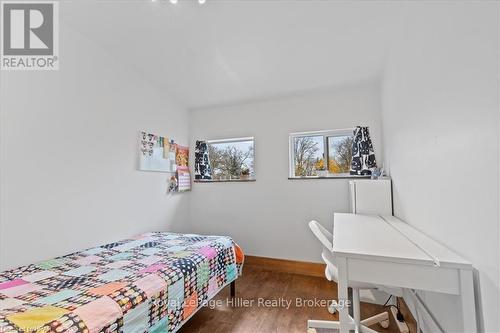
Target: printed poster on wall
x,y
181,182
182,156
183,179
157,153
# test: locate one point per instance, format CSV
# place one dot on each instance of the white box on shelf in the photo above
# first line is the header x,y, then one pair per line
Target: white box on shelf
x,y
371,196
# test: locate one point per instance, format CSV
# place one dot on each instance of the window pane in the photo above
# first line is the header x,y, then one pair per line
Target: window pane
x,y
339,154
232,160
308,155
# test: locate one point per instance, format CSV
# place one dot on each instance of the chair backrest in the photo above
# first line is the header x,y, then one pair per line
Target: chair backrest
x,y
326,239
323,235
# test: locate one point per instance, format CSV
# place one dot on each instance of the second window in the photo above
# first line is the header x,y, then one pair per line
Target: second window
x,y
321,154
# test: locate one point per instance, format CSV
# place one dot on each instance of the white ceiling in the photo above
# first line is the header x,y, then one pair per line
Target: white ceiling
x,y
227,51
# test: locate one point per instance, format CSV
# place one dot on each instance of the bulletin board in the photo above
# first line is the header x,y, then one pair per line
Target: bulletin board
x,y
157,153
161,154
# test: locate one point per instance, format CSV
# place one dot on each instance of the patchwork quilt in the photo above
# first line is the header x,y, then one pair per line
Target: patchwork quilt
x,y
152,283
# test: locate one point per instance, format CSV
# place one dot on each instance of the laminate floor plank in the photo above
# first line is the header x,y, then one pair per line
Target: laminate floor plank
x,y
258,285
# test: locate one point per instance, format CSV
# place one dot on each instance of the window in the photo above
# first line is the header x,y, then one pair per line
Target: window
x,y
232,159
321,154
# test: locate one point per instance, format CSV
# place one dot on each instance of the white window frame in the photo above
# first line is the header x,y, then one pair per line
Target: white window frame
x,y
231,140
326,134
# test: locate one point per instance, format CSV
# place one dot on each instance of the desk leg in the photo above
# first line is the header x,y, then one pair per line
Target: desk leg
x,y
343,295
468,303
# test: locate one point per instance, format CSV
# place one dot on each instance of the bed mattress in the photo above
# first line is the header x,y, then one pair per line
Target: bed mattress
x,y
151,283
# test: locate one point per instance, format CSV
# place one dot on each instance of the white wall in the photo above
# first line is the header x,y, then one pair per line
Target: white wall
x,y
440,121
69,143
269,217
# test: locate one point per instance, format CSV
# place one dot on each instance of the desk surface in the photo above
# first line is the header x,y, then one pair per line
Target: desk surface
x,y
389,238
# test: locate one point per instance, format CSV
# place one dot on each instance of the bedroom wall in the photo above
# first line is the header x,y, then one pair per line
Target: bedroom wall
x,y
69,144
269,217
440,121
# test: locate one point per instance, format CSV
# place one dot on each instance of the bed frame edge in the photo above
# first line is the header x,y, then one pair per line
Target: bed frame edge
x,y
233,289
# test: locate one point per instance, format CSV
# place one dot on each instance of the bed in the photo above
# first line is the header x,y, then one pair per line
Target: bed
x,y
152,283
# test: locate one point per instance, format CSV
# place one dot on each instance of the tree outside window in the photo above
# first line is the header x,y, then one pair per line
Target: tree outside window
x,y
232,160
326,153
308,154
339,154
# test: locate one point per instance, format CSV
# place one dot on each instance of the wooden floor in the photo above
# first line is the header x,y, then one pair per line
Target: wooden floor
x,y
256,284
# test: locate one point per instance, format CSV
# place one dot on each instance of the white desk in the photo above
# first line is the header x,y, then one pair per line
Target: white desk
x,y
388,251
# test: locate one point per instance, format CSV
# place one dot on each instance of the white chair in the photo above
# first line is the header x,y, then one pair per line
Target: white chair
x,y
331,273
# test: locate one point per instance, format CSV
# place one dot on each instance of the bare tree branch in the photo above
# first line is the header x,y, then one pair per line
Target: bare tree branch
x,y
229,161
343,155
304,149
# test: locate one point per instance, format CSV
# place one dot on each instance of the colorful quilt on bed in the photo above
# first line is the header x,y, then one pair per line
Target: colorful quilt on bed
x,y
152,283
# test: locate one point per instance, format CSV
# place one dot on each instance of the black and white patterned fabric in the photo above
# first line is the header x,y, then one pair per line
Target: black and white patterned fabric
x,y
202,168
363,155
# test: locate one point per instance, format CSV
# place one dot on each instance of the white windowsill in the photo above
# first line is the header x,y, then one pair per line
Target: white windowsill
x,y
330,177
224,180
